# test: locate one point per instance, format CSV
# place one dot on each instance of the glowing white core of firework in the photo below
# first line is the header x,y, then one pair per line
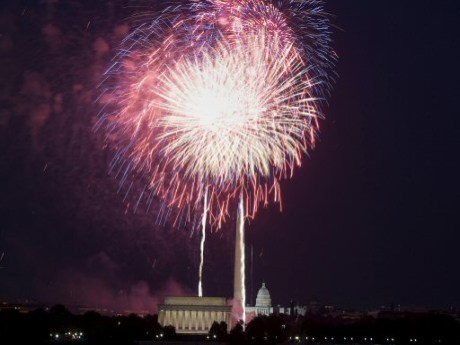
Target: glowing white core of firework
x,y
216,100
234,112
214,108
203,238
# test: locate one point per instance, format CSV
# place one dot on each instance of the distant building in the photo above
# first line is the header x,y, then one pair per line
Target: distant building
x,y
264,306
263,303
194,315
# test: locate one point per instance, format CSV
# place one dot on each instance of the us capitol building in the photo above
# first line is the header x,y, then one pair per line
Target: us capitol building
x,y
264,306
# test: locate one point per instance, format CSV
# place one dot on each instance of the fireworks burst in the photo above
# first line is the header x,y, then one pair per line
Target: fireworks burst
x,y
219,95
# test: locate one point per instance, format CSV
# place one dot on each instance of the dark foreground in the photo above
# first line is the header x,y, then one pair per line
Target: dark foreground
x,y
59,326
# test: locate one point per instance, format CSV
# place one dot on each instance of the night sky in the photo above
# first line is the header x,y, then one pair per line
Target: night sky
x,y
370,219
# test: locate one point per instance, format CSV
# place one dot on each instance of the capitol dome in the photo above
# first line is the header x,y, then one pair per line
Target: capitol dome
x,y
263,297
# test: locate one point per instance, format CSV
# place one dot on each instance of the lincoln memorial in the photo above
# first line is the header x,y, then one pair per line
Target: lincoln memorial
x,y
194,315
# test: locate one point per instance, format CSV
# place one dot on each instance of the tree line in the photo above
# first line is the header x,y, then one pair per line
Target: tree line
x,y
60,325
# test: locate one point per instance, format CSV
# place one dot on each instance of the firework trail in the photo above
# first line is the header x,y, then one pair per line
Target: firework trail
x,y
203,239
214,102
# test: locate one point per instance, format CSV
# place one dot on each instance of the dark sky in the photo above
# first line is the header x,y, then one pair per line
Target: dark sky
x,y
370,219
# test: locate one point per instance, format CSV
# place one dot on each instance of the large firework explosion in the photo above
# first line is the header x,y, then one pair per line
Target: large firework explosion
x,y
221,96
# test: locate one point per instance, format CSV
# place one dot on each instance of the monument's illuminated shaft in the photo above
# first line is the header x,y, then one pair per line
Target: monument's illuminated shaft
x,y
239,287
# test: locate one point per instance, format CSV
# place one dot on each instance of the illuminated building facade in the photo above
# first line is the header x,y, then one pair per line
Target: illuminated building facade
x,y
264,306
194,315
